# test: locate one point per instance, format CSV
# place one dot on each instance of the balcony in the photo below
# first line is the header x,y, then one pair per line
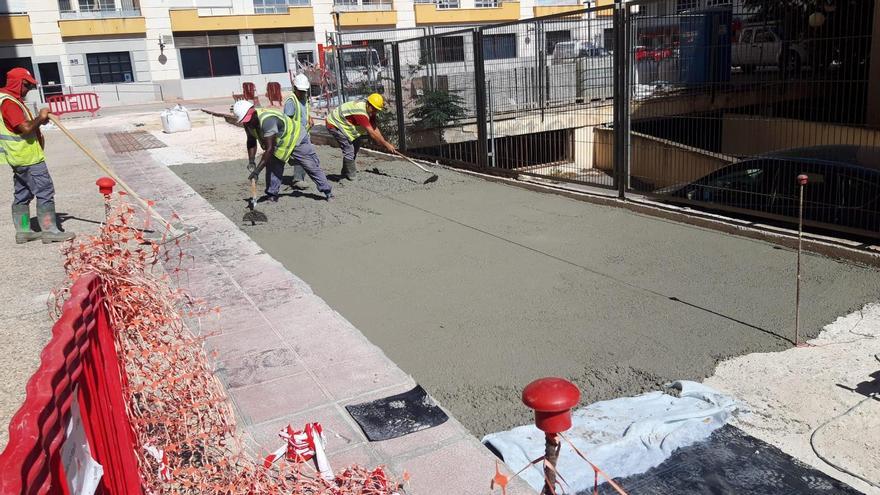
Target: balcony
x,y
362,5
15,27
442,12
98,9
277,6
100,18
293,18
375,13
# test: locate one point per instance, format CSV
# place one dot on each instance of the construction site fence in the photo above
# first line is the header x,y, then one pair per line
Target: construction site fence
x,y
75,409
677,101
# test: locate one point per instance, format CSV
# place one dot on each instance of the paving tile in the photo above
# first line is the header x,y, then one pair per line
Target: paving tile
x,y
338,432
237,344
277,398
258,367
362,374
360,455
461,467
321,345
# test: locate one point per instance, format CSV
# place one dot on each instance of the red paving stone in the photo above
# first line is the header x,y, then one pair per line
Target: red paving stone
x,y
277,398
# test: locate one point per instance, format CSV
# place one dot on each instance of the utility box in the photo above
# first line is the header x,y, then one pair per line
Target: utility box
x,y
705,46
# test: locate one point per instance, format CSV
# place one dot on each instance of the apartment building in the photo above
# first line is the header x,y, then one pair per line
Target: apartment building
x,y
131,51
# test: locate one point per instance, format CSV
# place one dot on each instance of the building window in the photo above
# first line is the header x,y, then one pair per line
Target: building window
x,y
682,5
273,59
442,50
277,6
554,37
111,67
485,4
441,4
209,62
498,46
305,59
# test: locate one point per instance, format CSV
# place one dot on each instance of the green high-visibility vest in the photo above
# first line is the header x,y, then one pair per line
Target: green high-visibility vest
x,y
285,143
297,108
338,118
18,150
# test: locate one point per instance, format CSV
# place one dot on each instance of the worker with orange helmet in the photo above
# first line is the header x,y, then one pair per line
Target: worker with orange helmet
x,y
349,123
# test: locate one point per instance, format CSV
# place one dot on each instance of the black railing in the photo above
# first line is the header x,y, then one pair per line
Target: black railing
x,y
681,107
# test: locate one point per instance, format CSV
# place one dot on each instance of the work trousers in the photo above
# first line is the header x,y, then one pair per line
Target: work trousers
x,y
33,182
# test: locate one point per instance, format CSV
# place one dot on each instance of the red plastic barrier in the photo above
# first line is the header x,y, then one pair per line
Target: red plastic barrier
x,y
79,359
74,102
273,93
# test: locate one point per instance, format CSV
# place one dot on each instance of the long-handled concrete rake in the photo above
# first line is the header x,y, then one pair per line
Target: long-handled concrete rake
x,y
174,231
432,178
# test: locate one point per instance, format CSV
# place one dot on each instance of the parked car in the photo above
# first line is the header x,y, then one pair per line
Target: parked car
x,y
843,192
762,46
570,51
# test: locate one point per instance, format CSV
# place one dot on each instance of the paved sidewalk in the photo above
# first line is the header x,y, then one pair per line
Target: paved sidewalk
x,y
29,271
287,357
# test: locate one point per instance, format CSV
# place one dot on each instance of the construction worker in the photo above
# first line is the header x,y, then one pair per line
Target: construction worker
x,y
305,157
278,135
22,149
349,123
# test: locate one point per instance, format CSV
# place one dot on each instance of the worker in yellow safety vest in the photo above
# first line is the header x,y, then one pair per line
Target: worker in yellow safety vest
x,y
352,121
21,147
278,136
305,157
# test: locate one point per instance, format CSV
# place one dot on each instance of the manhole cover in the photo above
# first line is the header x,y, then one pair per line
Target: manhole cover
x,y
126,142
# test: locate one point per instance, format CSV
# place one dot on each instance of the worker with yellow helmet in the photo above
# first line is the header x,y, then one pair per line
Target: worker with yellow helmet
x,y
352,121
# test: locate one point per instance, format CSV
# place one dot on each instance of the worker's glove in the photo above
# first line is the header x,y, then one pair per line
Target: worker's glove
x,y
252,165
254,175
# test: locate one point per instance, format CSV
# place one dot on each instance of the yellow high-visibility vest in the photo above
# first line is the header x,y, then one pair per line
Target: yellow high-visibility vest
x,y
18,150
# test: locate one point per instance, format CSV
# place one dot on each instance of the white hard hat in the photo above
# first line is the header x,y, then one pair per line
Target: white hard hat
x,y
240,109
301,82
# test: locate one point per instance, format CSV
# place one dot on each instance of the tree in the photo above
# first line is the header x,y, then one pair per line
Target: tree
x,y
436,108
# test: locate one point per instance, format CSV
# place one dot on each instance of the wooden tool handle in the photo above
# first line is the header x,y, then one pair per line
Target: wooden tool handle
x,y
105,168
411,161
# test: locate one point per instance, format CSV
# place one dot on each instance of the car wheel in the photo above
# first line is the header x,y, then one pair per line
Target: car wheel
x,y
792,63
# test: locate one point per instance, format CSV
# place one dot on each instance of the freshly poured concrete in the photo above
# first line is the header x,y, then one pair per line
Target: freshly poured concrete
x,y
476,288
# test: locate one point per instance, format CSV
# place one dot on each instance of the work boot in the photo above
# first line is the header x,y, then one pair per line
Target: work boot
x,y
49,225
349,169
21,218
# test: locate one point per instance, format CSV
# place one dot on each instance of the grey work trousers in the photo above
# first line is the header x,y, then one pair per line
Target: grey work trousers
x,y
305,161
349,148
32,182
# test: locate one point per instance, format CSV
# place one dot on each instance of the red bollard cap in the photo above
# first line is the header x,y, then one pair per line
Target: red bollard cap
x,y
552,400
105,185
802,179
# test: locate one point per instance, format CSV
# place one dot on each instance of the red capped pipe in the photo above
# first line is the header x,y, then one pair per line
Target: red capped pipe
x,y
552,400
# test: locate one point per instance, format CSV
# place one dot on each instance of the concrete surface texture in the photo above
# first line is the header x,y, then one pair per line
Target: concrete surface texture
x,y
286,357
476,288
30,271
791,394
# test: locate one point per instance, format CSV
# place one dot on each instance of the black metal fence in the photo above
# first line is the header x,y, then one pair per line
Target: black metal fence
x,y
687,102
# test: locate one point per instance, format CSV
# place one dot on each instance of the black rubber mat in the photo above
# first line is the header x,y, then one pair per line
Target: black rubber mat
x,y
730,462
397,415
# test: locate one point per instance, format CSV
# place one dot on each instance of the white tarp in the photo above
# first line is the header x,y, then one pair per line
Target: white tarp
x,y
623,436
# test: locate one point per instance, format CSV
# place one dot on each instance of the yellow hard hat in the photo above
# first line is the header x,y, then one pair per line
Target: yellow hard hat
x,y
376,101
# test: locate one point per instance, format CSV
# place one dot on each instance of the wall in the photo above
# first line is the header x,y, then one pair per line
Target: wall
x,y
77,72
744,135
654,162
225,86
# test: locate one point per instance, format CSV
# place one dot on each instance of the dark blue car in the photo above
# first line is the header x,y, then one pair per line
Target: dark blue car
x,y
843,193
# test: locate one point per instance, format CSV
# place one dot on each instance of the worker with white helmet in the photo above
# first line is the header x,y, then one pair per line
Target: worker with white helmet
x,y
305,158
352,121
278,135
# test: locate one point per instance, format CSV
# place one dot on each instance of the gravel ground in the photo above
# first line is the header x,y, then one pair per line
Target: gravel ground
x,y
31,270
476,288
793,393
